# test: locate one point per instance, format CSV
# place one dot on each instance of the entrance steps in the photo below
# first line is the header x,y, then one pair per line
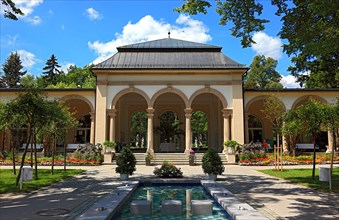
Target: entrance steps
x,y
175,158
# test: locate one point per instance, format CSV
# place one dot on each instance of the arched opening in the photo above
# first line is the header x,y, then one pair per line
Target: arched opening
x,y
130,121
138,130
83,130
169,115
255,129
199,125
208,107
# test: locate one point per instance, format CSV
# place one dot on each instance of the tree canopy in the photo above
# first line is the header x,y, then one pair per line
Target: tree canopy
x,y
11,11
262,73
51,72
310,28
12,71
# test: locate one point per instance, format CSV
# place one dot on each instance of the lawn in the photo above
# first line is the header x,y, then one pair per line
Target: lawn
x,y
304,177
7,180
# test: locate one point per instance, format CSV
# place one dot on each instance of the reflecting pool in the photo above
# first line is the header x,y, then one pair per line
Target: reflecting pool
x,y
156,193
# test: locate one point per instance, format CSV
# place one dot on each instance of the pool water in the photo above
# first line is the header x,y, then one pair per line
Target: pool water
x,y
158,193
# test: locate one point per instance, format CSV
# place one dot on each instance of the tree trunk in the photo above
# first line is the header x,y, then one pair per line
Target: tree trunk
x,y
23,158
53,152
65,155
35,160
13,156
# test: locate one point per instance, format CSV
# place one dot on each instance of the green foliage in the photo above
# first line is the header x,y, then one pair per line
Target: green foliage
x,y
138,125
51,73
291,129
7,179
169,126
168,170
211,162
28,81
232,144
10,10
12,72
274,111
109,144
126,162
199,121
309,32
262,73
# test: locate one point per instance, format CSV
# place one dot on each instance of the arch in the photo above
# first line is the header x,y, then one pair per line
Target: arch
x,y
306,98
208,90
70,97
169,90
262,97
129,90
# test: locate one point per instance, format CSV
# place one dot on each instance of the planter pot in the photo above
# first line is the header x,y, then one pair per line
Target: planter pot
x,y
123,176
108,158
212,177
148,161
191,161
230,150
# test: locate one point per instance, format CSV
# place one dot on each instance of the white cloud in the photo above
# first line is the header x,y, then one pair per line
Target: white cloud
x,y
28,59
267,45
65,65
12,40
146,29
289,81
93,14
36,20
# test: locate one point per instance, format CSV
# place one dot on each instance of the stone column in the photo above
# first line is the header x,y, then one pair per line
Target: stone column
x,y
226,113
112,113
188,132
150,115
247,136
92,114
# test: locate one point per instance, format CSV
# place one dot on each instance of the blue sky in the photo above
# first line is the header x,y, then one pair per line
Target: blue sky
x,y
82,32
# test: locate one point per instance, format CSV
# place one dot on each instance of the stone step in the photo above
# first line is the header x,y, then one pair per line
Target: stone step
x,y
175,158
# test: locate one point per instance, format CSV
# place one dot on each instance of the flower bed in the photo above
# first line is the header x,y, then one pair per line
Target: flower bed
x,y
48,162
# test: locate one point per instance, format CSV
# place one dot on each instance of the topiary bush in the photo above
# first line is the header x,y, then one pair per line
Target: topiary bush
x,y
126,162
211,163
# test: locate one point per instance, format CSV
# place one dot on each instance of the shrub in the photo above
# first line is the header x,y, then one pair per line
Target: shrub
x,y
126,162
211,163
168,170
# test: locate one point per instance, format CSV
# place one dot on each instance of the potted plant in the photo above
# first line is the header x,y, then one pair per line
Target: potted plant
x,y
109,151
212,164
148,158
125,163
230,146
191,157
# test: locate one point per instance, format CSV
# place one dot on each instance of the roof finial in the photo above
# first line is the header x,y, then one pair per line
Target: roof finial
x,y
169,34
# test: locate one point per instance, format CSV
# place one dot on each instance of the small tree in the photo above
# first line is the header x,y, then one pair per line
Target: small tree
x,y
211,162
312,115
274,111
126,161
292,129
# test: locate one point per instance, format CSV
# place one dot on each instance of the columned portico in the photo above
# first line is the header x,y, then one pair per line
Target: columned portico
x,y
150,115
188,131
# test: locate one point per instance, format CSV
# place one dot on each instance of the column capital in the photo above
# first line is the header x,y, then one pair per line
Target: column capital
x,y
188,112
111,112
150,112
226,112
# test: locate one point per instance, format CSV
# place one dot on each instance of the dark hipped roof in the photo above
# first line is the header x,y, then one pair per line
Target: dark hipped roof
x,y
169,53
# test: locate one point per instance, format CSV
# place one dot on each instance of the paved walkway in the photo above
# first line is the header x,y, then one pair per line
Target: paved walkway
x,y
276,199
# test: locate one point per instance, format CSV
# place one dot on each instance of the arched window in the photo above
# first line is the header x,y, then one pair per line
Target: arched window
x,y
83,132
138,129
199,125
254,129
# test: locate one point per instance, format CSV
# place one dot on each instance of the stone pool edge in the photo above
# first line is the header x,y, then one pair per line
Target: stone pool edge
x,y
106,207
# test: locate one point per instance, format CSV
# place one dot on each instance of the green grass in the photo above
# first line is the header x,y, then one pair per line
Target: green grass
x,y
7,179
304,177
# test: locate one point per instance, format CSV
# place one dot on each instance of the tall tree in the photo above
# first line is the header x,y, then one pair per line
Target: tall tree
x,y
12,12
310,28
28,81
12,71
51,73
262,73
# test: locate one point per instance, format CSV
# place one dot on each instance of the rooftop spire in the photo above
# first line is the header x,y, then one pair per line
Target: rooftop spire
x,y
169,34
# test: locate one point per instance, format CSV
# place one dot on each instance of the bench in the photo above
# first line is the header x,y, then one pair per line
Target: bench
x,y
306,147
38,147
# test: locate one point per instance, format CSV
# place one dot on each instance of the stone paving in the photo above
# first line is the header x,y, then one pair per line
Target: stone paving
x,y
274,198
